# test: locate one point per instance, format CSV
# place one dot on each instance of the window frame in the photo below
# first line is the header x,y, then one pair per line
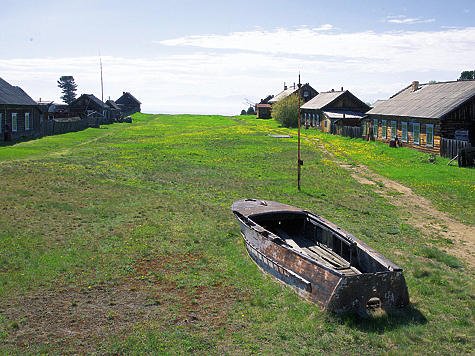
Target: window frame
x,y
404,131
14,121
27,121
384,129
375,127
418,125
393,129
431,144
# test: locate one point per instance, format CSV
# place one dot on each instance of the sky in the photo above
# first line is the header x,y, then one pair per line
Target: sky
x,y
216,56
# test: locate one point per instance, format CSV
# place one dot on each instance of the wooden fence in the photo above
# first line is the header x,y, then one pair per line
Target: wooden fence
x,y
449,148
347,131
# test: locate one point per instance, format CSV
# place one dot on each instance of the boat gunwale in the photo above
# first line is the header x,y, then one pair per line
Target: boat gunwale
x,y
344,235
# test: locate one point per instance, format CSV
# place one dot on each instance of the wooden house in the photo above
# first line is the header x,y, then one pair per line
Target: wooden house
x,y
128,104
19,113
114,111
91,109
422,115
306,93
328,109
263,111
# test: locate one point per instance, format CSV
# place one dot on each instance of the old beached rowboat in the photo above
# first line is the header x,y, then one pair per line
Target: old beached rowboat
x,y
321,261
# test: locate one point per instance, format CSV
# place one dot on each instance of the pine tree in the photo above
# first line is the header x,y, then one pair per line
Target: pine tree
x,y
68,88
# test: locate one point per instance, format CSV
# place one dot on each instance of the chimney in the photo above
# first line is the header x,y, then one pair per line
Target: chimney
x,y
415,86
341,88
285,86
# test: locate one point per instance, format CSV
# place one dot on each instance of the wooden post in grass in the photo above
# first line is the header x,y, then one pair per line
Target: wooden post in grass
x,y
299,161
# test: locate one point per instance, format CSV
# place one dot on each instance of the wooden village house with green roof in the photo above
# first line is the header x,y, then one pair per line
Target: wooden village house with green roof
x,y
422,116
20,115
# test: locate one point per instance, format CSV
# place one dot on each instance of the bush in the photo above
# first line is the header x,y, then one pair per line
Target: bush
x,y
285,111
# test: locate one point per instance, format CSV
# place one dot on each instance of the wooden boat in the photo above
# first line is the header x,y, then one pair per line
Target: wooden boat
x,y
321,261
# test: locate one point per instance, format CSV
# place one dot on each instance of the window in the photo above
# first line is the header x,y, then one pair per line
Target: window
x,y
318,120
14,122
393,129
404,131
364,129
27,121
416,133
375,127
384,129
430,135
325,123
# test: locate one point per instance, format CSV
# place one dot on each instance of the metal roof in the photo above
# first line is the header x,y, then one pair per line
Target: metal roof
x,y
322,100
283,94
431,101
10,95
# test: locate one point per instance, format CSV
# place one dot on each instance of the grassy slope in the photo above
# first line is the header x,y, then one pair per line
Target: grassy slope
x,y
90,209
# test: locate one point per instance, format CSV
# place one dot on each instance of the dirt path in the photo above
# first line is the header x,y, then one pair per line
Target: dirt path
x,y
420,212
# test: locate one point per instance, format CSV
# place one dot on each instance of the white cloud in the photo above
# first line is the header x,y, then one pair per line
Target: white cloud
x,y
362,51
254,64
402,19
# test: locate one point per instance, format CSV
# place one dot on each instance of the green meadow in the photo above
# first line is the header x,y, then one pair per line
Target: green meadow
x,y
121,241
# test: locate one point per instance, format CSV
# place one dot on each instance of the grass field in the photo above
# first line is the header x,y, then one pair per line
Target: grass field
x,y
121,240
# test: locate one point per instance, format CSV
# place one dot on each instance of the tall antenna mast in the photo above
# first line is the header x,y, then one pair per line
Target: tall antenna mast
x,y
299,161
102,84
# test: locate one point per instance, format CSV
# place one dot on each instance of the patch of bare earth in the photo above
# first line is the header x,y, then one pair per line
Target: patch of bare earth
x,y
420,212
79,321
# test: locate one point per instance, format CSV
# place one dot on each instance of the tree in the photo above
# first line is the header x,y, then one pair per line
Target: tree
x,y
467,74
285,111
243,112
68,88
250,111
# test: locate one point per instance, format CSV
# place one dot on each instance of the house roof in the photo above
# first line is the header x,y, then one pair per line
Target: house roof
x,y
93,98
431,101
125,95
10,94
284,93
377,102
112,104
263,105
322,100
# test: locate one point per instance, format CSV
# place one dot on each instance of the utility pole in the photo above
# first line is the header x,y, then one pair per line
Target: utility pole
x,y
299,161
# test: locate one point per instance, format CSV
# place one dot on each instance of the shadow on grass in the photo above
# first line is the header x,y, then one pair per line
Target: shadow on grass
x,y
381,321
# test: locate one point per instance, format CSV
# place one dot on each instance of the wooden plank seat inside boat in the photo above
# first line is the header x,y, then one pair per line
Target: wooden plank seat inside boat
x,y
319,253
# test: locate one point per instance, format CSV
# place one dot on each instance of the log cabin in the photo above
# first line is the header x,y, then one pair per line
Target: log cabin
x,y
20,115
333,108
306,93
421,115
128,104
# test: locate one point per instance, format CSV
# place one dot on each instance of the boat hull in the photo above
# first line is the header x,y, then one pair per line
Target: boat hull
x,y
332,288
